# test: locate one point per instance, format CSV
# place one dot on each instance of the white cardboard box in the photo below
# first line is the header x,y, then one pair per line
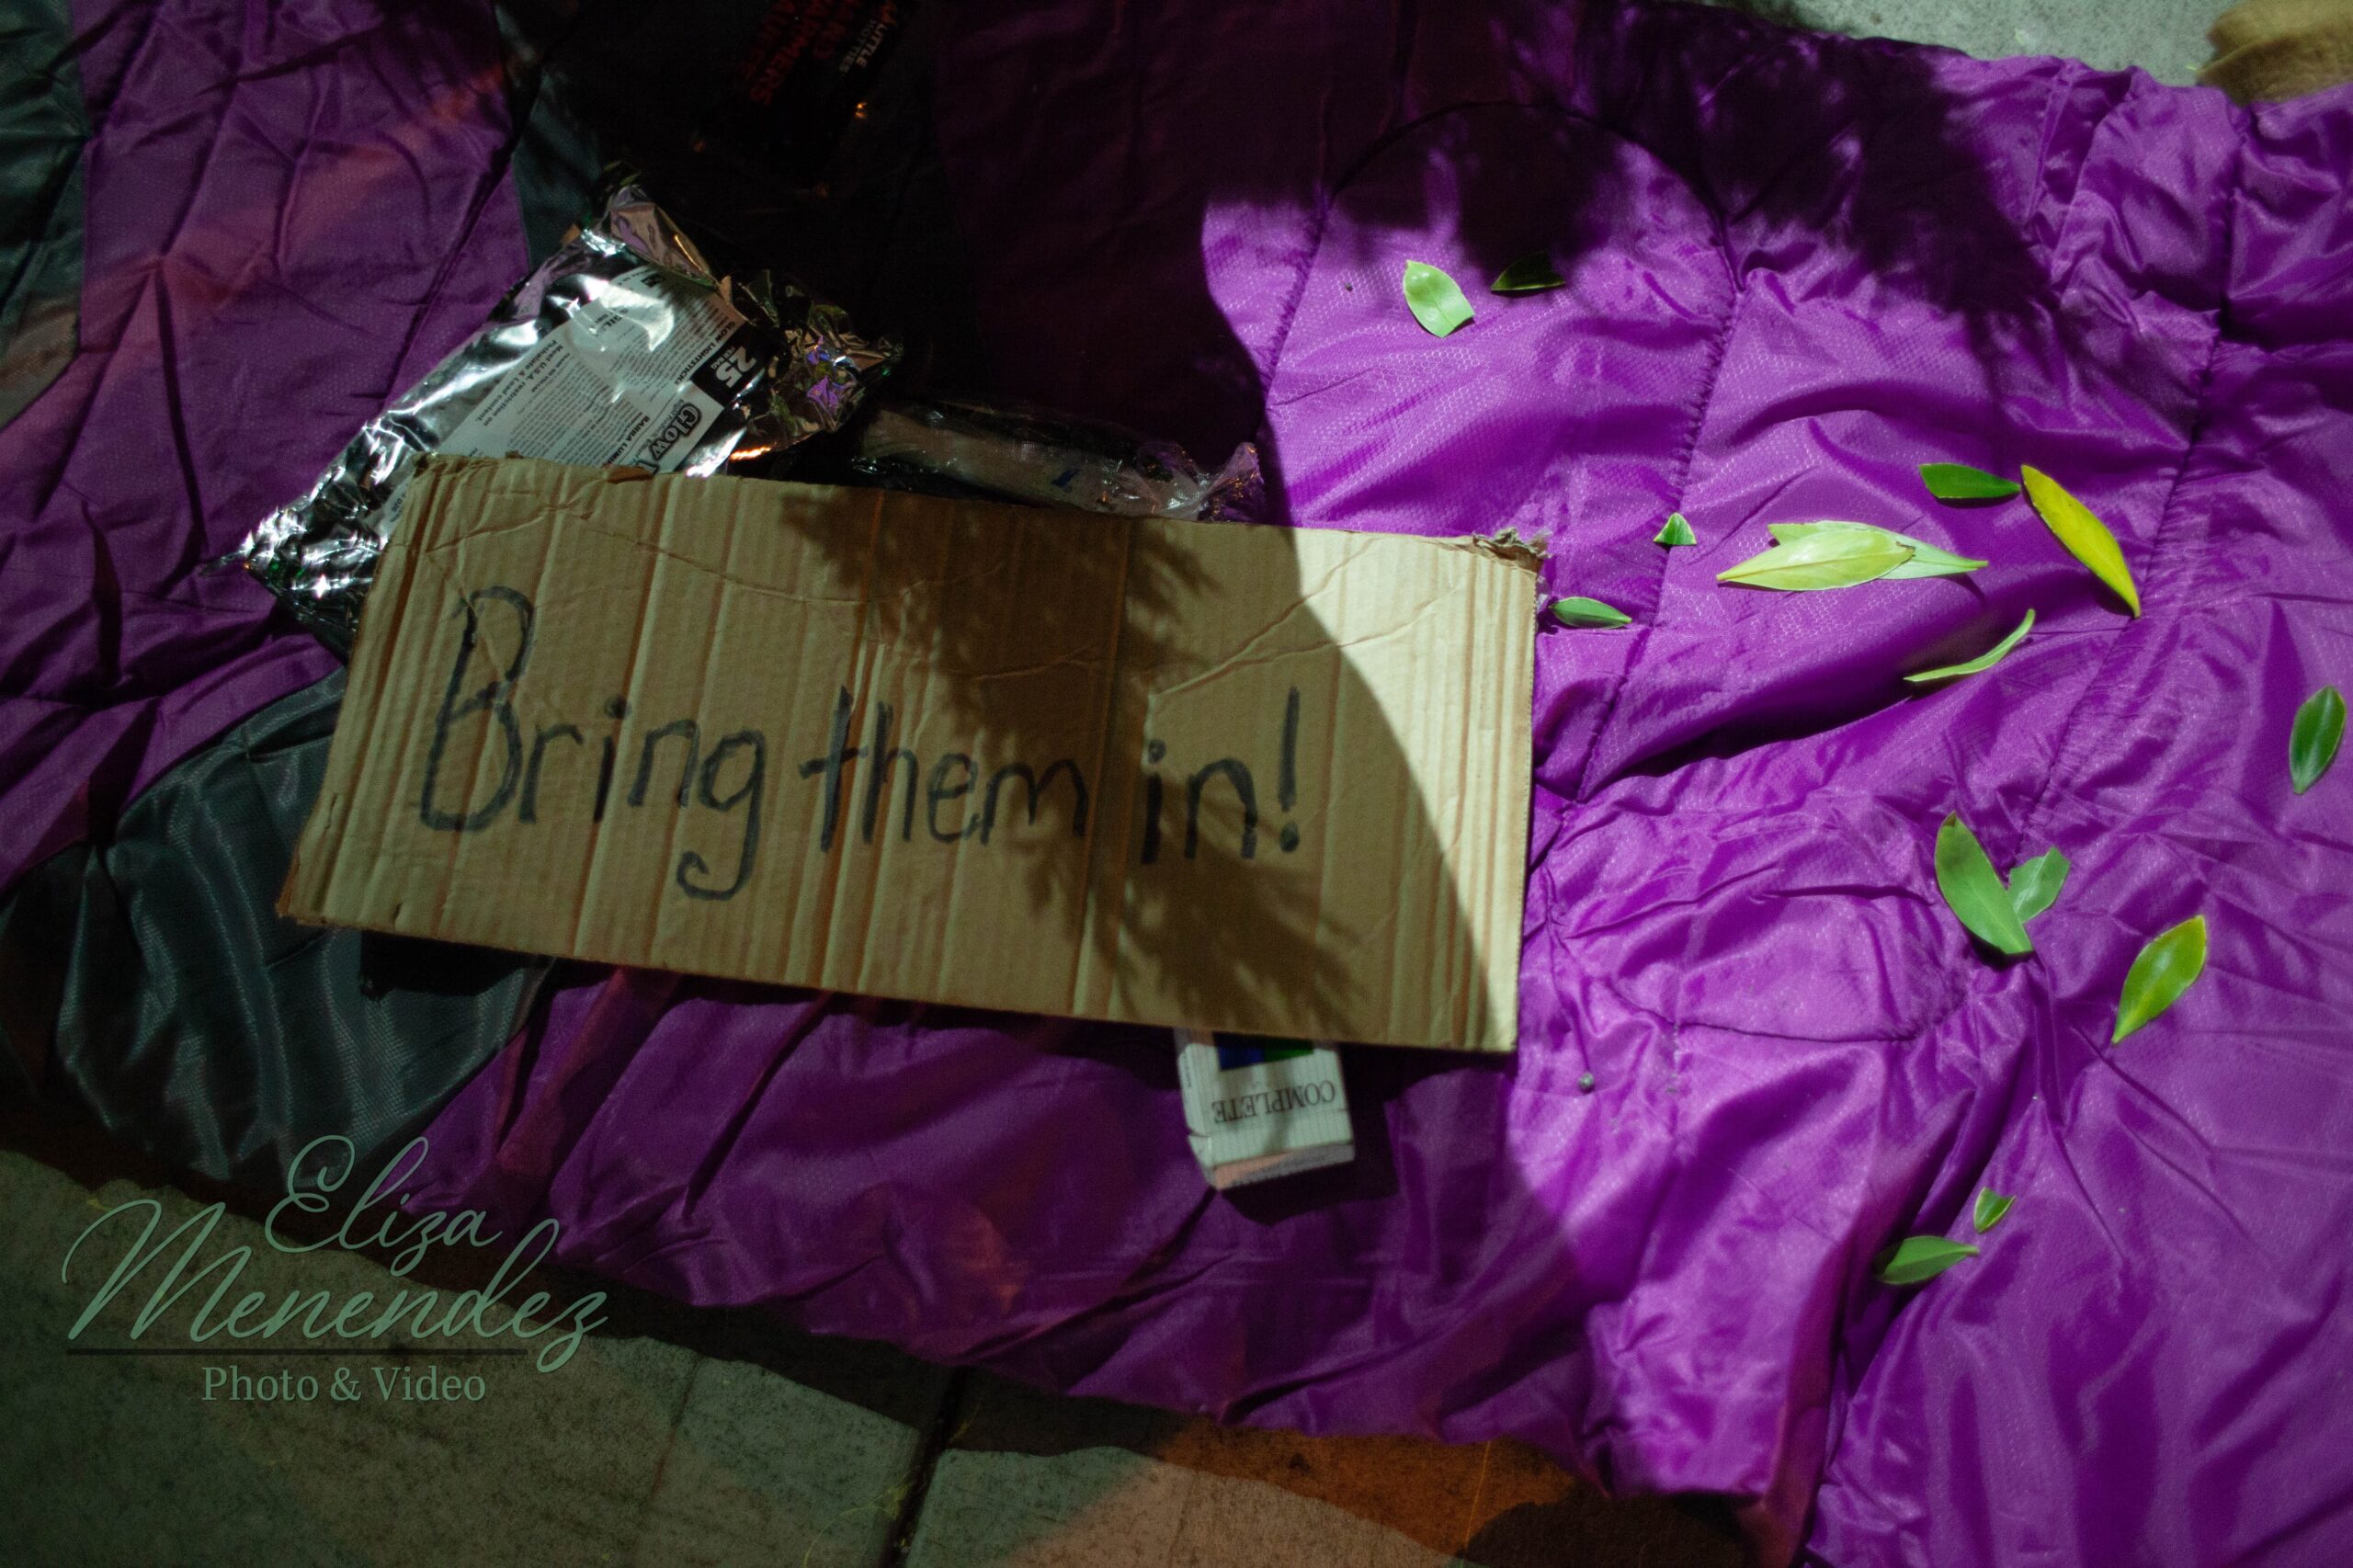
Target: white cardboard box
x,y
1257,1108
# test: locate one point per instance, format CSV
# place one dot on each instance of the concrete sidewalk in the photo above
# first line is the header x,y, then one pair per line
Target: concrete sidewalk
x,y
2164,38
672,1436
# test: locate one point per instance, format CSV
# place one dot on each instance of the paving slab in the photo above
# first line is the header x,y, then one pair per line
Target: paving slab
x,y
2164,38
1032,1480
652,1446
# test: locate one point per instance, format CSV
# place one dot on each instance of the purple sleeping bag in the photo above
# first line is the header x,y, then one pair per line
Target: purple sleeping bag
x,y
293,211
1796,267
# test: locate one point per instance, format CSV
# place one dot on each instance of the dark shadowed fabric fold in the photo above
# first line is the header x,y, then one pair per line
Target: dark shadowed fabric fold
x,y
184,1016
40,201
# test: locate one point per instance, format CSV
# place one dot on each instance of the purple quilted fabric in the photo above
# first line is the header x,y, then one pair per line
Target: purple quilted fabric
x,y
1797,266
293,211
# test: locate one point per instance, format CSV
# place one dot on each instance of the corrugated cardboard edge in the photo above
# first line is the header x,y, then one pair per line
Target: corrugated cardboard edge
x,y
386,604
1508,917
1509,545
1506,883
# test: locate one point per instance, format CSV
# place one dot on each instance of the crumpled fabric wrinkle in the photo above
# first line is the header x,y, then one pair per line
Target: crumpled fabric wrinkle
x,y
1794,268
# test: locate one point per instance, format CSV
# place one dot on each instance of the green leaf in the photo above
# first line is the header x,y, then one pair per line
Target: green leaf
x,y
1984,661
1959,481
2320,725
1927,560
1437,301
1830,558
1531,274
1576,611
1974,892
1916,1259
2085,536
1678,531
2035,884
1991,1207
2164,971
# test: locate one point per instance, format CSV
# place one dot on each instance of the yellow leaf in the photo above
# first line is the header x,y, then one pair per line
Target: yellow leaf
x,y
2085,536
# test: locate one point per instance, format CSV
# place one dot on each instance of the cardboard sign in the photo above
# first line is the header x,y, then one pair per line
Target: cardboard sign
x,y
1189,774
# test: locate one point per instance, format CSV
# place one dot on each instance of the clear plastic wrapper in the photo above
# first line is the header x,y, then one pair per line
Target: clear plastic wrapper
x,y
621,348
1049,463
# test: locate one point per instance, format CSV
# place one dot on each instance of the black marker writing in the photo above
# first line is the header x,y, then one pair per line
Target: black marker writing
x,y
746,794
495,698
1236,774
838,751
962,798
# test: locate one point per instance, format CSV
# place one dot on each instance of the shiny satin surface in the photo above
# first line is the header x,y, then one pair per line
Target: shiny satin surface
x,y
1796,267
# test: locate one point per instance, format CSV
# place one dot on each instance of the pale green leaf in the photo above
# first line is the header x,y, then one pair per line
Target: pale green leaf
x,y
2320,726
1973,890
1927,560
1435,298
2164,971
1531,274
1959,481
1991,1207
1678,531
2035,884
1579,611
1829,558
2085,536
1916,1259
1984,661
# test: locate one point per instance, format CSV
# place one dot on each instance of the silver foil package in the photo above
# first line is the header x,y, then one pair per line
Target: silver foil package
x,y
622,348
